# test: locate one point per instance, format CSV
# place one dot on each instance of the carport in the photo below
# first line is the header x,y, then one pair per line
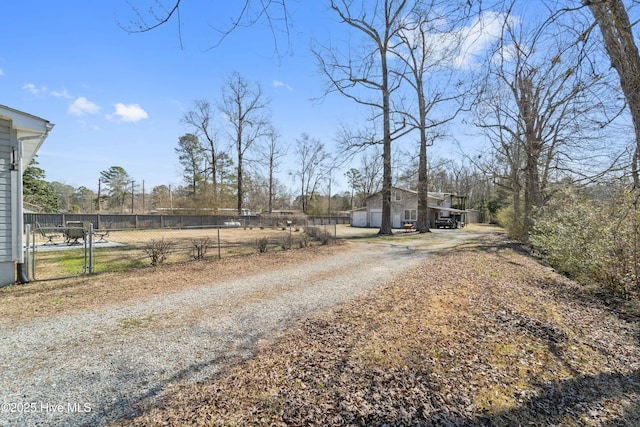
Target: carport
x,y
21,135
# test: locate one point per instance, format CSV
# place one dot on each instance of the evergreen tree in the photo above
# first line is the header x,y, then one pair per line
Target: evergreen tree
x,y
37,191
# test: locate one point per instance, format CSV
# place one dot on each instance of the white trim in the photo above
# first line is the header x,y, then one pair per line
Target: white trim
x,y
26,135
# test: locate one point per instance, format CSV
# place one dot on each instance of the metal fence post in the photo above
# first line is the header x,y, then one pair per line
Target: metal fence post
x,y
27,261
90,248
219,256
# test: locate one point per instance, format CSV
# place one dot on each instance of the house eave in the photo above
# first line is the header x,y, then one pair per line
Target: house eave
x,y
31,130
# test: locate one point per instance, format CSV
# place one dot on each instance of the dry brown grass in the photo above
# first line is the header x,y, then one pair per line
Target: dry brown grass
x,y
45,298
482,335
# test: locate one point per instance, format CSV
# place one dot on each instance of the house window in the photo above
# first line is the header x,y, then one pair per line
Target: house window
x,y
410,215
398,196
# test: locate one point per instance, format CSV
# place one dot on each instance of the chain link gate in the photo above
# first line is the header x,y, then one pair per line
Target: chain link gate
x,y
58,252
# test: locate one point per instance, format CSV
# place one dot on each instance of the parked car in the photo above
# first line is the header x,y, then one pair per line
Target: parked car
x,y
446,222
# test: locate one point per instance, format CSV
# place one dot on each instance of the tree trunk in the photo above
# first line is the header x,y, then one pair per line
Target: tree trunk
x,y
240,149
385,227
240,190
613,21
532,192
423,188
214,179
271,185
423,209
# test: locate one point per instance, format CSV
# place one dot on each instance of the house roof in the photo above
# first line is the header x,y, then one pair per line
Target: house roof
x,y
430,194
442,208
31,130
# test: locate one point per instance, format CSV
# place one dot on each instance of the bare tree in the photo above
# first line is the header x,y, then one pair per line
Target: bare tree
x,y
366,179
371,167
506,163
245,108
429,44
202,120
366,77
156,13
312,159
272,153
619,41
541,108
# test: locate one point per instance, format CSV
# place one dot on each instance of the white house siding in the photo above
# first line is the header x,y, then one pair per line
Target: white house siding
x,y
397,220
359,218
401,200
376,218
407,200
7,266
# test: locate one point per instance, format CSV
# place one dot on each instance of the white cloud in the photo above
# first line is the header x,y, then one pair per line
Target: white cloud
x,y
63,94
129,113
461,47
82,106
1,72
33,89
484,31
278,83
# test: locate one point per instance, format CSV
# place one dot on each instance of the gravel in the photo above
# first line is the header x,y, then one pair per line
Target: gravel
x,y
89,368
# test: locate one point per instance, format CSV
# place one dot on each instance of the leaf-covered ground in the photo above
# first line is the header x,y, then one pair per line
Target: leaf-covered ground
x,y
480,335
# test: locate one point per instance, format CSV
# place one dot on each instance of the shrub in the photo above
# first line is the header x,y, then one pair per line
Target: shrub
x,y
506,217
595,242
158,251
304,241
320,234
199,248
262,244
285,242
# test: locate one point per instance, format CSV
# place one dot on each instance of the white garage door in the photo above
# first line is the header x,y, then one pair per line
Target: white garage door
x,y
359,219
376,218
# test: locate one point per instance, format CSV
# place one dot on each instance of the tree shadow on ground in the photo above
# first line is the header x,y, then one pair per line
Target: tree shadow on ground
x,y
123,408
501,245
577,401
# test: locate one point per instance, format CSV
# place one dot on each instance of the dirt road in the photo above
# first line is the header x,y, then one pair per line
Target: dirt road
x,y
92,365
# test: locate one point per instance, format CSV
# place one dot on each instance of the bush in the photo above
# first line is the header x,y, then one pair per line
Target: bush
x,y
597,243
262,244
320,234
506,218
158,251
199,248
304,241
285,242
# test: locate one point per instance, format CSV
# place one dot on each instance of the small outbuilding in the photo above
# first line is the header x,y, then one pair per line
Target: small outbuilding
x,y
404,209
21,135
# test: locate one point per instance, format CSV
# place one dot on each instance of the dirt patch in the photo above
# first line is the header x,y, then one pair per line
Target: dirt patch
x,y
481,335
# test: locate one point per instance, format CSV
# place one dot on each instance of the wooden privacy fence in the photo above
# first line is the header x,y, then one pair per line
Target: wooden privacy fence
x,y
134,221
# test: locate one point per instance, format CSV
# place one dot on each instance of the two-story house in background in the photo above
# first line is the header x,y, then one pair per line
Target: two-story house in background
x,y
404,209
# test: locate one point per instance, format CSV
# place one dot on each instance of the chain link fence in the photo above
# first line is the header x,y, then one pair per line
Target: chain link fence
x,y
78,248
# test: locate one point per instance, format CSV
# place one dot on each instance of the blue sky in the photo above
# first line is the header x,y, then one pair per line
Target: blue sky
x,y
117,98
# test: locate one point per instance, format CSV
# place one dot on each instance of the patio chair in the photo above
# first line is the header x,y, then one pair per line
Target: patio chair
x,y
48,233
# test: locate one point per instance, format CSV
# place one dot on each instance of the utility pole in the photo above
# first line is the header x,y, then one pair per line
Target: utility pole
x,y
132,183
329,206
99,204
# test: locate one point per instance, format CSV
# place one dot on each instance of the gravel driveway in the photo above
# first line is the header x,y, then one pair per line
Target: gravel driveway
x,y
89,368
